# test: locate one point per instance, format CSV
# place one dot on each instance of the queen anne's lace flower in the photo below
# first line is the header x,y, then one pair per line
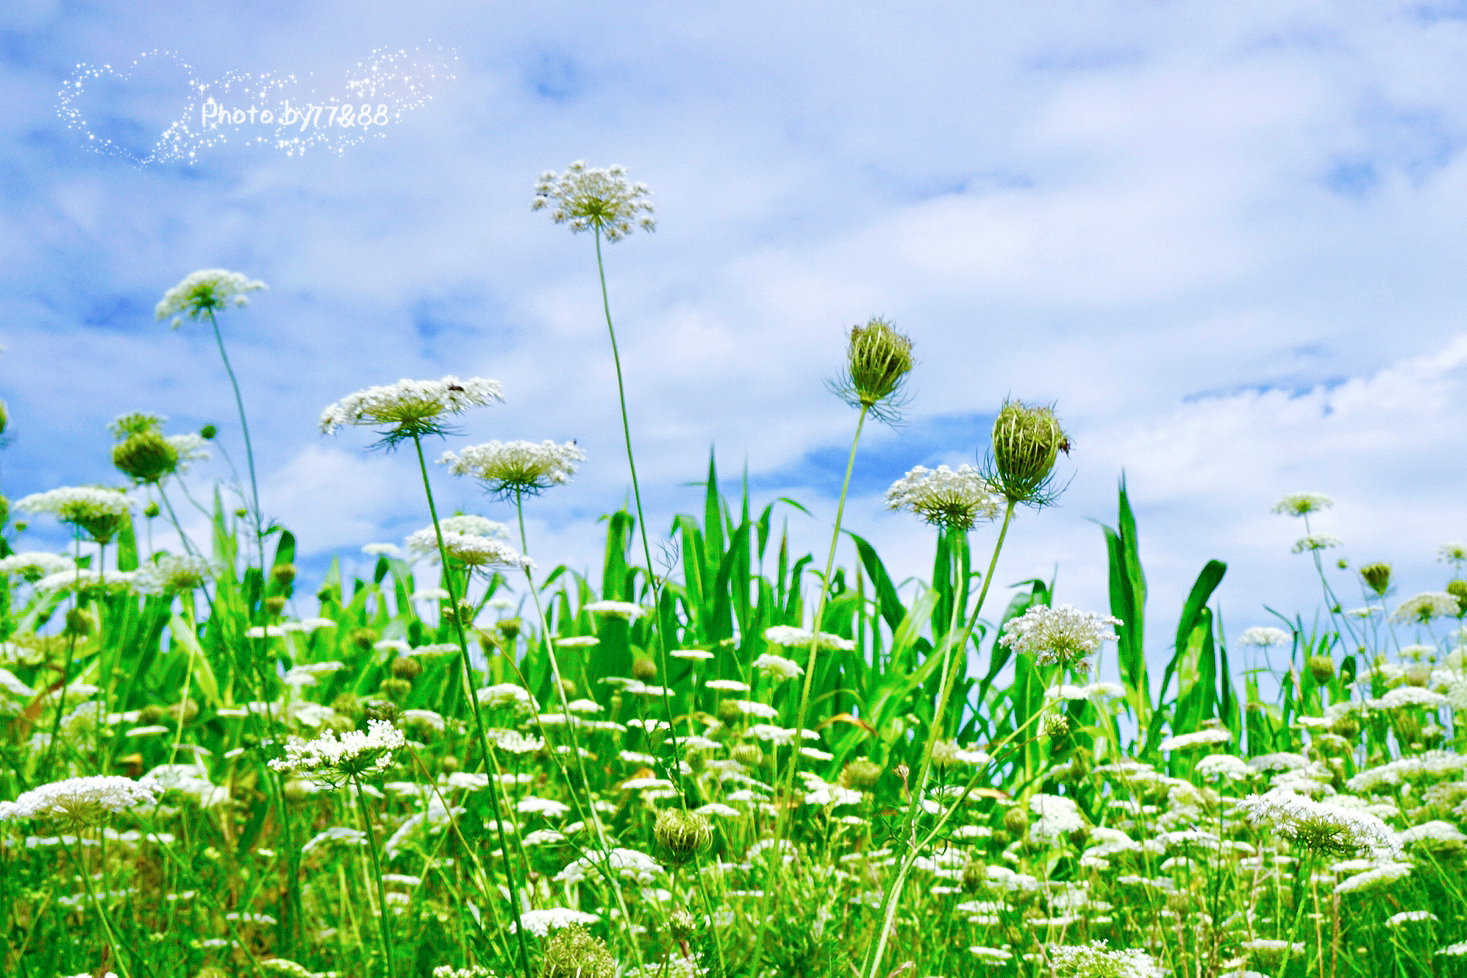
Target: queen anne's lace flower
x,y
1425,607
1265,635
1322,826
794,638
542,922
82,505
1057,817
410,407
945,497
621,609
172,575
335,760
1061,635
33,565
515,467
1303,503
81,801
1216,735
467,548
1095,960
778,667
206,291
592,198
1315,541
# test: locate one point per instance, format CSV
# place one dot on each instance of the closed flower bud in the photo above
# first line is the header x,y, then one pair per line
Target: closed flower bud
x,y
241,512
1458,590
574,953
147,457
510,628
682,834
365,638
975,875
275,604
185,712
1377,577
341,724
862,775
406,667
1347,726
207,432
80,622
396,689
295,791
682,924
152,511
448,764
462,613
568,687
1026,444
348,705
1322,668
1015,821
284,574
879,358
729,713
151,714
384,710
644,670
749,755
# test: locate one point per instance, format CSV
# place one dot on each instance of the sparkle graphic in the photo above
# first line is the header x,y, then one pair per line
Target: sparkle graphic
x,y
270,110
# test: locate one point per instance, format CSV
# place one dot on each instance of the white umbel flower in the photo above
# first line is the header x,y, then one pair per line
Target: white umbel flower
x,y
172,575
34,565
517,467
1320,825
410,407
1095,960
542,922
1265,635
1057,817
81,801
1061,635
335,760
1425,607
592,198
945,497
796,638
1316,541
206,291
73,504
1303,503
1197,738
470,549
778,667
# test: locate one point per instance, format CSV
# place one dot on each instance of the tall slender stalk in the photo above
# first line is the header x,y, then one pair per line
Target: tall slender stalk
x,y
86,878
463,645
377,873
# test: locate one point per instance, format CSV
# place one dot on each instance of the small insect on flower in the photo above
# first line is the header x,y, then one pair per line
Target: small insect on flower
x,y
410,408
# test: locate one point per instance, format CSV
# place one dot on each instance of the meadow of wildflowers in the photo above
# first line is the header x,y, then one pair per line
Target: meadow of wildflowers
x,y
759,765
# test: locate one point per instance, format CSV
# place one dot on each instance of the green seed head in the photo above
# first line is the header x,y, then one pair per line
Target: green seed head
x,y
207,432
729,713
1015,821
406,667
574,953
1377,577
1026,443
348,705
152,511
682,834
1322,668
275,604
365,638
862,774
975,875
878,360
147,457
396,689
510,628
644,670
749,755
80,622
284,574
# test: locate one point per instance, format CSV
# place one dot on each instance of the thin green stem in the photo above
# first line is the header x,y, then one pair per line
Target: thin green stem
x,y
377,872
641,525
101,910
463,645
245,426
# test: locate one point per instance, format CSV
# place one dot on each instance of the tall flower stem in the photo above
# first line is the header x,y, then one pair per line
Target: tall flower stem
x,y
590,814
245,427
101,910
463,645
641,518
892,897
377,872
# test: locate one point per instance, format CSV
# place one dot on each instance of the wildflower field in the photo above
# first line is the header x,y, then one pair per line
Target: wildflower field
x,y
763,764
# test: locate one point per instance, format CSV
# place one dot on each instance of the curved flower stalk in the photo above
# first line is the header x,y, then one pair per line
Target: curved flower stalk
x,y
1300,505
406,411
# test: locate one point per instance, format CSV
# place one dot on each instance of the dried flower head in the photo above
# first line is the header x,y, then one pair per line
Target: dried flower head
x,y
102,513
1061,635
1026,444
595,199
410,408
204,293
878,360
517,467
945,497
1303,503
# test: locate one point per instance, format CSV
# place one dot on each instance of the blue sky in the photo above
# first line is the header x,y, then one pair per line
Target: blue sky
x,y
1225,241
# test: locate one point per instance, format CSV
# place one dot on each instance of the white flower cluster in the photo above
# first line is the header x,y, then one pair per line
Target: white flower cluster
x,y
71,503
1303,503
171,575
542,922
191,448
944,497
1057,817
1425,607
1215,735
1095,960
1062,634
81,801
778,667
1264,635
624,862
35,564
1316,541
84,578
621,609
335,760
208,288
1319,824
413,403
467,548
517,466
796,638
591,197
